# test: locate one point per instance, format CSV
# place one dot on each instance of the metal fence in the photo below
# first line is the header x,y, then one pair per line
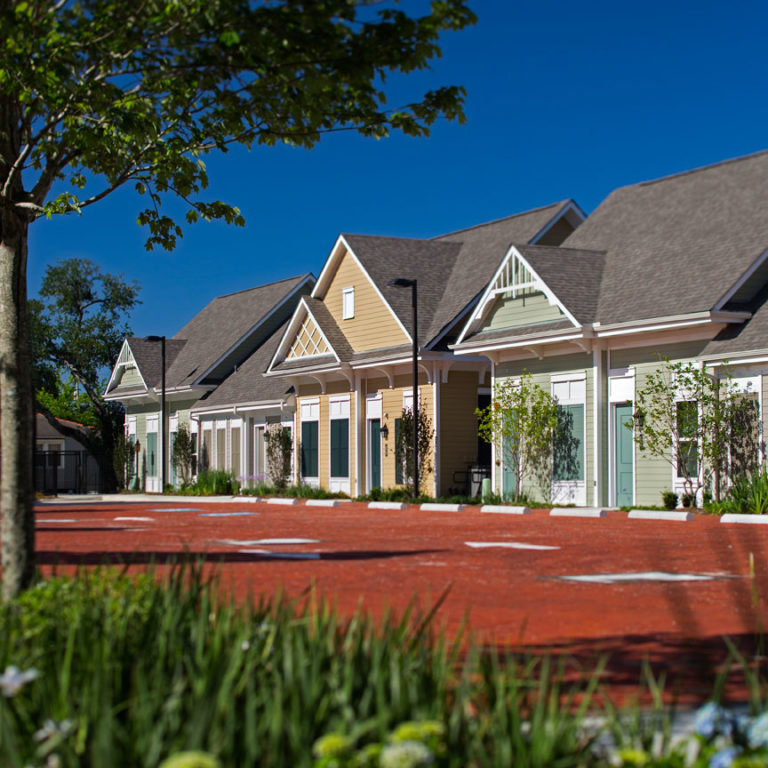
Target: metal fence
x,y
67,472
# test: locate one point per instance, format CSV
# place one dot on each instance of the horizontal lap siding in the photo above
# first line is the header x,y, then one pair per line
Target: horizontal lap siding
x,y
373,325
521,311
130,378
653,474
541,372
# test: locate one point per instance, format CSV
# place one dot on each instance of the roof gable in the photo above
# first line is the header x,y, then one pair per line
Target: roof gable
x,y
530,271
682,238
230,328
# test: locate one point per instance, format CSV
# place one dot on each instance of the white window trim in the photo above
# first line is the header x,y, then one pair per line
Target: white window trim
x,y
348,303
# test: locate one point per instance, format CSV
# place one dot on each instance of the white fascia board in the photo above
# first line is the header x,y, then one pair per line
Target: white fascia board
x,y
569,210
734,289
126,346
737,358
302,311
324,280
263,319
521,342
480,312
669,323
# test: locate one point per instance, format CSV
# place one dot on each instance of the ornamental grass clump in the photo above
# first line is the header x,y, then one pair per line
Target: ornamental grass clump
x,y
748,495
111,669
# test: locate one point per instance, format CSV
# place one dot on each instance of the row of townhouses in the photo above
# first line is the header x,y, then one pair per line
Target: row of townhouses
x,y
674,268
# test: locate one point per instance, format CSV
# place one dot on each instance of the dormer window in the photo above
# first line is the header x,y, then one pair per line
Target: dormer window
x,y
348,303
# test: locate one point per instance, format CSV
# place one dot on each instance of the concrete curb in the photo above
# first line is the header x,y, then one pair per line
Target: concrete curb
x,y
745,519
503,509
277,500
653,514
322,502
386,505
578,512
430,507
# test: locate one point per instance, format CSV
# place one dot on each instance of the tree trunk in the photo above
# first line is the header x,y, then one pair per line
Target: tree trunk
x,y
16,414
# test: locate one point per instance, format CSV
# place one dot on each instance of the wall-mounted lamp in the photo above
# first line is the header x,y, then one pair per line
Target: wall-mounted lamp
x,y
638,420
384,431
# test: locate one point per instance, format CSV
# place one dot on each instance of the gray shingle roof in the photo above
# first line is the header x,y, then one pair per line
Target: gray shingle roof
x,y
248,384
221,325
148,357
677,244
573,275
329,327
451,269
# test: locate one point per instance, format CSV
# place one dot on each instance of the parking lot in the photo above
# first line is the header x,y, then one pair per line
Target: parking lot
x,y
663,590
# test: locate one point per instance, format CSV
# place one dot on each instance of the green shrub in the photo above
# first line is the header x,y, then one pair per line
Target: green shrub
x,y
214,482
669,499
748,495
134,671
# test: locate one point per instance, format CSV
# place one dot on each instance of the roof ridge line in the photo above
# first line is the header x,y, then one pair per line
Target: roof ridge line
x,y
503,218
698,169
258,287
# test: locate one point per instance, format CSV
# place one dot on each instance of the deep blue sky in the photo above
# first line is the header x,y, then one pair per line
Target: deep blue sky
x,y
564,100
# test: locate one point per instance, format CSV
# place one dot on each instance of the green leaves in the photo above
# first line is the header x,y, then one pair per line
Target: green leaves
x,y
106,92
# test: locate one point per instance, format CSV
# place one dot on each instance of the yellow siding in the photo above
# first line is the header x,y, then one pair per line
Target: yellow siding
x,y
458,426
373,325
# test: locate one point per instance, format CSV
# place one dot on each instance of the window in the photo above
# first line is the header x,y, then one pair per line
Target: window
x,y
340,448
309,464
568,448
53,449
221,447
744,428
687,438
234,451
348,303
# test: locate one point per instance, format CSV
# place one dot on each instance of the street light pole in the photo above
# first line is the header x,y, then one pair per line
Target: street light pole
x,y
163,441
402,282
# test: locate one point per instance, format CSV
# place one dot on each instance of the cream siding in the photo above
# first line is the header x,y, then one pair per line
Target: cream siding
x,y
373,325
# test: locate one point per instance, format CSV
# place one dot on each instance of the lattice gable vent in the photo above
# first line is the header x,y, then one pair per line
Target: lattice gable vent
x,y
309,341
126,358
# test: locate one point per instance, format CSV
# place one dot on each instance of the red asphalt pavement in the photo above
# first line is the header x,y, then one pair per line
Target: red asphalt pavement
x,y
514,595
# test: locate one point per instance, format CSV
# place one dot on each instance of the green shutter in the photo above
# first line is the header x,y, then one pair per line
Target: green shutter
x,y
309,449
340,448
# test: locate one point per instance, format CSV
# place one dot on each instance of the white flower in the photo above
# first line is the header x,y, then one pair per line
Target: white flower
x,y
245,645
406,754
51,728
13,680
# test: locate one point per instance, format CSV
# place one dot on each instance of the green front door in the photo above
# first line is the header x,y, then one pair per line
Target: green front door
x,y
624,455
375,449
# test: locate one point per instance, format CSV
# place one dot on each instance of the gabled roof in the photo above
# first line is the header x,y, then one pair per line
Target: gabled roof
x,y
247,384
677,244
451,270
222,326
147,356
573,275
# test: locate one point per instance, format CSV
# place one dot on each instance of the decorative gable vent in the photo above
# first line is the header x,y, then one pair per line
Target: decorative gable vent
x,y
309,341
515,279
125,356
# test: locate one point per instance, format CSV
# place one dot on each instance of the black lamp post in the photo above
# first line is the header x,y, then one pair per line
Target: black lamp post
x,y
402,282
163,441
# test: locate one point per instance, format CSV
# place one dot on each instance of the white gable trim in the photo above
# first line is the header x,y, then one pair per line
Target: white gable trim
x,y
339,249
265,318
124,358
734,289
570,211
300,313
483,306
